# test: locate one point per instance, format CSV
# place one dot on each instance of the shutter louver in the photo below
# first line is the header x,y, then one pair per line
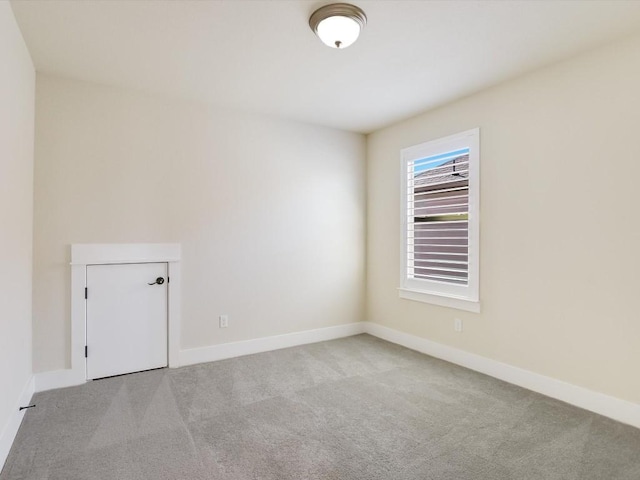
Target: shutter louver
x,y
437,218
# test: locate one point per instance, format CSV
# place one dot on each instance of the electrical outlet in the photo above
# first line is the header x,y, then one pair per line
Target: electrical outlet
x,y
457,325
224,321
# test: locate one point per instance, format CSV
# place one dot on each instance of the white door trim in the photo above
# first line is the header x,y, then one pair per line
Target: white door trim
x,y
104,254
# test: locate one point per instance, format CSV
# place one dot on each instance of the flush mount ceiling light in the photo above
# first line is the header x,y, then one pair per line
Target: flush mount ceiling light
x,y
338,25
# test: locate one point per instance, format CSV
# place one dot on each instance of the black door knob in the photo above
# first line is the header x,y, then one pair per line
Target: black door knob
x,y
158,281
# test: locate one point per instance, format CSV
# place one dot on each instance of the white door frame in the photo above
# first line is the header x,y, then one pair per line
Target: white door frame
x,y
105,254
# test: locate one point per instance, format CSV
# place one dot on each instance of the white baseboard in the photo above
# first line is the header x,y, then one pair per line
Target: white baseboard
x,y
10,430
58,379
69,378
265,344
615,408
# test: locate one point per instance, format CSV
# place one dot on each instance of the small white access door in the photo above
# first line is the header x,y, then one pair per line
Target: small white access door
x,y
126,318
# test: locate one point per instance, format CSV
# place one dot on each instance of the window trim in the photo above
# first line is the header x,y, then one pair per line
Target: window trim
x,y
465,297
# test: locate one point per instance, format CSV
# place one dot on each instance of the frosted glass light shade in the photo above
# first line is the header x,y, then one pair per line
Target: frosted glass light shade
x,y
338,32
338,25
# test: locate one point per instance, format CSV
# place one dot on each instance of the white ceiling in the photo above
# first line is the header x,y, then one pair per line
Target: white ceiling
x,y
261,55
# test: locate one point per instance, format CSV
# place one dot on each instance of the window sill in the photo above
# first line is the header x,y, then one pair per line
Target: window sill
x,y
443,301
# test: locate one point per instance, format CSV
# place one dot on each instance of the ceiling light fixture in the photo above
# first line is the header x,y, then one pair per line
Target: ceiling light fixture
x,y
338,25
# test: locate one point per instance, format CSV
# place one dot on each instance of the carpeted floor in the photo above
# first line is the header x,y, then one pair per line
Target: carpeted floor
x,y
355,408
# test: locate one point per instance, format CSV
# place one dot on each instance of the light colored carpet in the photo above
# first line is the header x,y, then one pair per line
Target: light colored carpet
x,y
355,408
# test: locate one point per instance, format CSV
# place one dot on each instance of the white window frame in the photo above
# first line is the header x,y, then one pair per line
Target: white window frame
x,y
464,297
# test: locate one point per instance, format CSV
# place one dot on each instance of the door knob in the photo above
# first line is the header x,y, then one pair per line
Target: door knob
x,y
158,281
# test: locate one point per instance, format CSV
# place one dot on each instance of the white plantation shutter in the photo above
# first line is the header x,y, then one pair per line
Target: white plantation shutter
x,y
440,217
437,219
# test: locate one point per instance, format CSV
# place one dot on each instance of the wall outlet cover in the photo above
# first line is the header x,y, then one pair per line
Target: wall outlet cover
x,y
457,325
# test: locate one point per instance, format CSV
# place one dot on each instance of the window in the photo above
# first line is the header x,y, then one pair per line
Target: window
x,y
440,221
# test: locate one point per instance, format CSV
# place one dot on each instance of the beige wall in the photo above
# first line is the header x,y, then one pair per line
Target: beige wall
x,y
17,91
559,222
270,213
